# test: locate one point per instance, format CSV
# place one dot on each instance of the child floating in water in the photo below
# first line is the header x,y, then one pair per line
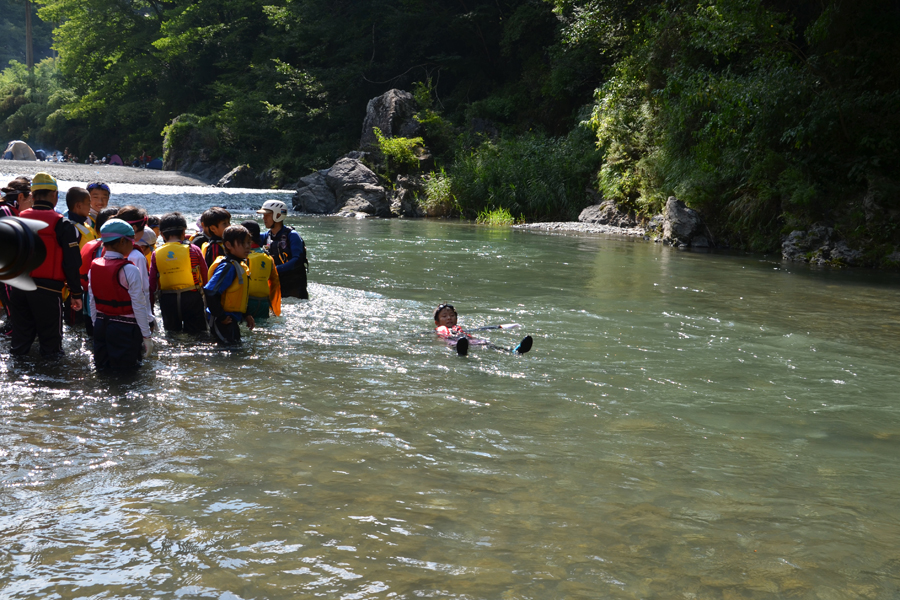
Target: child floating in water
x,y
445,319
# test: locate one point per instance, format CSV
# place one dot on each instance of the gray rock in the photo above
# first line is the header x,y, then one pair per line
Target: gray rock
x,y
819,246
392,112
314,196
365,198
680,223
608,213
405,197
242,176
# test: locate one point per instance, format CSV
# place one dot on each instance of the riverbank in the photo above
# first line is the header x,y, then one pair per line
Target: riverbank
x,y
107,173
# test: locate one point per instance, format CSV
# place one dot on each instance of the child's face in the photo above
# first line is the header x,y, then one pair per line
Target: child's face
x,y
241,249
82,209
446,318
218,230
99,199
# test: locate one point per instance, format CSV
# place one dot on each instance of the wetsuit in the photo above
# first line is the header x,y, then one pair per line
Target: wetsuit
x,y
289,252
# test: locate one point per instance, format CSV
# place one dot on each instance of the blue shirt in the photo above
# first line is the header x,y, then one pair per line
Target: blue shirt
x,y
286,247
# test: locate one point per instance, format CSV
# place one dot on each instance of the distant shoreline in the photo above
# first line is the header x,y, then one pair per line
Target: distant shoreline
x,y
106,173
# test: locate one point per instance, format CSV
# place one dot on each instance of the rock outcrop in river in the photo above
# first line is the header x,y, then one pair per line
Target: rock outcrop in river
x,y
819,246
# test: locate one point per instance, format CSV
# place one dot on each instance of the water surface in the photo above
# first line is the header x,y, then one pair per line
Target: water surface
x,y
687,426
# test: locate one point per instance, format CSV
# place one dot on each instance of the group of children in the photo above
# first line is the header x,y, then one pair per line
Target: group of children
x,y
220,277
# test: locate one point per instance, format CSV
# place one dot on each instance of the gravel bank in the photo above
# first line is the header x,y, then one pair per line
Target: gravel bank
x,y
88,173
585,227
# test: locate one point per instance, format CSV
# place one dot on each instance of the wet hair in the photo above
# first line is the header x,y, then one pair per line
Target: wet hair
x,y
105,215
153,222
437,311
132,214
235,234
172,224
214,216
76,195
44,196
253,228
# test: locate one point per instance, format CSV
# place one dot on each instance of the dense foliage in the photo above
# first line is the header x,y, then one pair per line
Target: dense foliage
x,y
767,115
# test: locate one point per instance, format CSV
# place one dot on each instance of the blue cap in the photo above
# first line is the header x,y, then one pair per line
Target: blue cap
x,y
114,229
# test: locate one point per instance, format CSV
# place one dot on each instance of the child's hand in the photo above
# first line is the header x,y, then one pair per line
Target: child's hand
x,y
227,320
251,323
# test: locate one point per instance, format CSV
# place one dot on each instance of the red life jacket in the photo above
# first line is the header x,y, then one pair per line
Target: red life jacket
x,y
90,251
52,267
112,297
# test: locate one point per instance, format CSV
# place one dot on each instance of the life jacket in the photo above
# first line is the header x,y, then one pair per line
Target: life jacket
x,y
279,247
173,262
90,251
450,331
236,295
261,265
87,233
52,267
110,296
212,250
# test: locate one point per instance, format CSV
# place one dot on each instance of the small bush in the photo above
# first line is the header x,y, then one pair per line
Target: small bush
x,y
439,200
496,217
399,152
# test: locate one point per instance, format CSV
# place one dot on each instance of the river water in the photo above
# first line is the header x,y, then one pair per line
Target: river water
x,y
686,426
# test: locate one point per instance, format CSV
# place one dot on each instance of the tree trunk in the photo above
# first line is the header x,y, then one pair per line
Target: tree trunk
x,y
29,45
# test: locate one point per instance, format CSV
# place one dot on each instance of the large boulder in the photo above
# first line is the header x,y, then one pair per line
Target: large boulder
x,y
189,147
819,246
608,213
682,226
314,196
393,113
356,188
242,176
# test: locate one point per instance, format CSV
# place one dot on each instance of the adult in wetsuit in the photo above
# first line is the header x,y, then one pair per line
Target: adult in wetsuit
x,y
287,248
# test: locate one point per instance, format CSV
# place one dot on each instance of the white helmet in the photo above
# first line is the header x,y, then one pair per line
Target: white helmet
x,y
278,208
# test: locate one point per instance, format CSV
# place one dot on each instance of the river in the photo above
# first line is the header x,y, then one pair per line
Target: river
x,y
687,426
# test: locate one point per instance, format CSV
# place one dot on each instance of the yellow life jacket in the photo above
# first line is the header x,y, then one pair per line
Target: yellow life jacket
x,y
87,234
236,295
173,263
261,266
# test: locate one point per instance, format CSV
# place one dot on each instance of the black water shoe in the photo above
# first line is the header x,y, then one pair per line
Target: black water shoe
x,y
525,345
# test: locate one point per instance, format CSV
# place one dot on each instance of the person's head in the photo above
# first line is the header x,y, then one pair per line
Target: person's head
x,y
146,241
172,227
45,190
105,215
215,221
10,196
136,216
78,201
99,195
117,236
23,184
272,211
153,223
253,228
445,315
237,241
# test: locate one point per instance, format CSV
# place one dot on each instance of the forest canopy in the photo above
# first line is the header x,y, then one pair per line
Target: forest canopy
x,y
766,115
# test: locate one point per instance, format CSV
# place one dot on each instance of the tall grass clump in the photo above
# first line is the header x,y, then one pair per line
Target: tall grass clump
x,y
495,217
439,200
535,176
